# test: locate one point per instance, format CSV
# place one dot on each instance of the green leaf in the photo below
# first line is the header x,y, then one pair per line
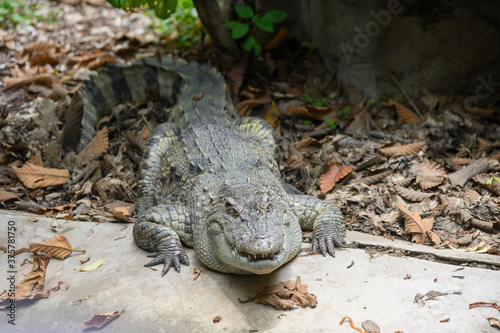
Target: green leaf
x,y
163,8
16,18
244,11
265,25
240,30
274,15
232,24
91,267
257,49
249,43
115,3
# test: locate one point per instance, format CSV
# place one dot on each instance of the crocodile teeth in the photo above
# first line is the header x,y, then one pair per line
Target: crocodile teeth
x,y
258,256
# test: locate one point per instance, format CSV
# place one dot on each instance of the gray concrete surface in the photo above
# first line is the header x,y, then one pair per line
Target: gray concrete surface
x,y
373,289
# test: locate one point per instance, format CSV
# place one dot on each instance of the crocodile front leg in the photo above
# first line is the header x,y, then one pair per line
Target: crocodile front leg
x,y
159,230
323,218
159,142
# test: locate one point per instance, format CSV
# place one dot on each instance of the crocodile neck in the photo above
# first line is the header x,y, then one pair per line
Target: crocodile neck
x,y
203,101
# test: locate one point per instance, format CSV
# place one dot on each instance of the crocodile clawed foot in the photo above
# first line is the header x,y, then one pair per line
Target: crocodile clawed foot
x,y
171,257
325,236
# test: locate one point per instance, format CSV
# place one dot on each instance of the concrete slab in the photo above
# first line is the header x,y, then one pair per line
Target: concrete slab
x,y
370,289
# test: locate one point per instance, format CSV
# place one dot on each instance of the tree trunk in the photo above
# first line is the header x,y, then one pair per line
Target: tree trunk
x,y
212,19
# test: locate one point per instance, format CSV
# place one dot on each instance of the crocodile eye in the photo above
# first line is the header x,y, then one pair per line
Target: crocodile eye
x,y
233,211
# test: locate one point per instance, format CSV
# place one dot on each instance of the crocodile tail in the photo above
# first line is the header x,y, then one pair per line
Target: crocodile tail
x,y
142,81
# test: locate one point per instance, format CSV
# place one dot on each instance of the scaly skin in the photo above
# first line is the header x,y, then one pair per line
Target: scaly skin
x,y
211,180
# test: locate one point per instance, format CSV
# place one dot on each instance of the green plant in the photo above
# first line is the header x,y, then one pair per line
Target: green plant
x,y
330,122
489,181
185,19
241,29
320,102
317,103
345,111
14,12
163,8
306,99
307,122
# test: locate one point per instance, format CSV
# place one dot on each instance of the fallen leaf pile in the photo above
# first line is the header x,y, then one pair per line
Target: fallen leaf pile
x,y
285,295
32,287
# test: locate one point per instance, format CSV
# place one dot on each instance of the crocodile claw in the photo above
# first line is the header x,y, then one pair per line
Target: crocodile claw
x,y
325,236
172,257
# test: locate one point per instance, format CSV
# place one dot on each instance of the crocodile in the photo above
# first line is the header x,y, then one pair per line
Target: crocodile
x,y
208,178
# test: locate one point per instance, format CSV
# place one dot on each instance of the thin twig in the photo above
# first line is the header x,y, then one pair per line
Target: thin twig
x,y
406,95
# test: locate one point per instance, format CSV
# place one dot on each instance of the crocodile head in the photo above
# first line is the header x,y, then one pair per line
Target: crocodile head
x,y
251,230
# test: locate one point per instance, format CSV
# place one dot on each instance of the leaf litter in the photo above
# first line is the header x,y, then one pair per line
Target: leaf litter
x,y
285,295
32,287
387,154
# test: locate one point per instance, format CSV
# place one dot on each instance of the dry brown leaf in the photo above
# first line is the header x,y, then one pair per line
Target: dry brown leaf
x,y
409,149
460,177
123,213
32,285
246,106
481,112
431,174
100,320
316,113
235,77
41,52
405,182
494,322
97,146
308,145
196,272
272,115
84,261
35,177
419,228
40,47
47,119
412,195
6,196
488,226
483,145
489,181
332,174
375,176
16,82
285,295
369,161
54,211
405,114
461,161
36,159
277,40
101,61
92,60
58,246
474,194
